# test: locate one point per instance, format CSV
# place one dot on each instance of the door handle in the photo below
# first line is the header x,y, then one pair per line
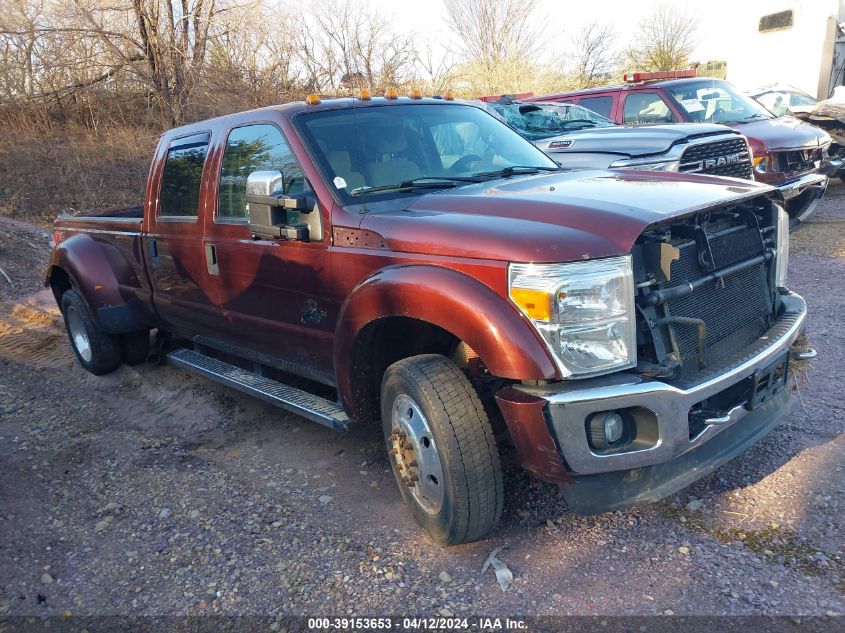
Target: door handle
x,y
154,252
211,259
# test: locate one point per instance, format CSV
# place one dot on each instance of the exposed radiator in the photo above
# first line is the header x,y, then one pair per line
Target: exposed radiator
x,y
736,311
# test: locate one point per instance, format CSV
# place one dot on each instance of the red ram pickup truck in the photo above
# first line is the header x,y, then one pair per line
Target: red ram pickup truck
x,y
788,153
416,261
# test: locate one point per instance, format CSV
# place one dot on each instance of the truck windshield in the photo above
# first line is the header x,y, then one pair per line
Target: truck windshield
x,y
537,121
716,101
394,150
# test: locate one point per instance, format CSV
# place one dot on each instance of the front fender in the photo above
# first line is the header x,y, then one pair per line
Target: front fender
x,y
471,311
101,274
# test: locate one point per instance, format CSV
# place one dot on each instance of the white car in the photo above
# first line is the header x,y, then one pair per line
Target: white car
x,y
781,99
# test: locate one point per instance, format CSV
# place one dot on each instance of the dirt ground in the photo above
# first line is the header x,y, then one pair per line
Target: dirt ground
x,y
151,491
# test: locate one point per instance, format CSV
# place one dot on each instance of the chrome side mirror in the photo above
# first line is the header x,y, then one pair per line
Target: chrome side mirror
x,y
264,189
273,213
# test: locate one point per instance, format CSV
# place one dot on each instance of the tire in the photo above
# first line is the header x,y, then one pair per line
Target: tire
x,y
427,404
96,351
135,347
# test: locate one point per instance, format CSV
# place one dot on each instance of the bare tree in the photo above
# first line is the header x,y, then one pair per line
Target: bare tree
x,y
594,56
252,62
664,41
65,47
490,32
345,45
171,38
437,66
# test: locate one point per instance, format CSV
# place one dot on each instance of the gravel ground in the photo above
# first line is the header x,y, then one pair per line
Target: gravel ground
x,y
151,492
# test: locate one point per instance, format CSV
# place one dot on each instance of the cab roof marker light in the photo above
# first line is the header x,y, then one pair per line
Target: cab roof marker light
x,y
449,95
416,93
365,95
312,99
664,74
391,93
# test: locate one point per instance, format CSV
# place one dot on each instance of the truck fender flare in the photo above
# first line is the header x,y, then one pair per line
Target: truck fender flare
x,y
98,279
451,300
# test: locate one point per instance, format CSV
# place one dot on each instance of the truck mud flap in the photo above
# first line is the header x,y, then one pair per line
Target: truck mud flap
x,y
120,319
595,494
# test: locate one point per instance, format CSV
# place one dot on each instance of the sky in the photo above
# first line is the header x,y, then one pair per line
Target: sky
x,y
427,18
727,31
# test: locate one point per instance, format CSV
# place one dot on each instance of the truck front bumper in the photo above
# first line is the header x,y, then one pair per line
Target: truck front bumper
x,y
667,418
802,195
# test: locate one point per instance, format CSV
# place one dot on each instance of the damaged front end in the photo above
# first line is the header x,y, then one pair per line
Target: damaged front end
x,y
706,287
716,333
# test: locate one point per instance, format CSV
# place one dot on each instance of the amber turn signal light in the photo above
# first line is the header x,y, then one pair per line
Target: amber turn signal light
x,y
535,303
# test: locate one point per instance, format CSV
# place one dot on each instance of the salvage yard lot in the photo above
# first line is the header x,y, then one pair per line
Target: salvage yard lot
x,y
151,491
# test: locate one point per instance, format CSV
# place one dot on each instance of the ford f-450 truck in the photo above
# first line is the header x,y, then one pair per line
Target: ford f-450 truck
x,y
418,262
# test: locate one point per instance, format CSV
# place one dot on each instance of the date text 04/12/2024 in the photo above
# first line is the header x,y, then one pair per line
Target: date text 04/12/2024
x,y
411,624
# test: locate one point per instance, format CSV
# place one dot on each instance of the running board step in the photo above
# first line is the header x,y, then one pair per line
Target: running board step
x,y
302,403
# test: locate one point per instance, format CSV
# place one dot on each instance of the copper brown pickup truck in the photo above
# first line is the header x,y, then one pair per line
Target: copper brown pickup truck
x,y
415,261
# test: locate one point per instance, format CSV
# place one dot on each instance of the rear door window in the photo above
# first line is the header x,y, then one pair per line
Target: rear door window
x,y
646,107
182,176
599,105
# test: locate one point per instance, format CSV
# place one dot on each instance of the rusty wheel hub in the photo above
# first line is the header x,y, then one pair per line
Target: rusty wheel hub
x,y
415,456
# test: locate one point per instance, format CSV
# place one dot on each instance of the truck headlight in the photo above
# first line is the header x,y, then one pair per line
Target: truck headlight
x,y
782,252
639,164
583,310
761,163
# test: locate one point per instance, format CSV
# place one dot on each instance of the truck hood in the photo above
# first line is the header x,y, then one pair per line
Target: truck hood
x,y
629,141
784,132
557,217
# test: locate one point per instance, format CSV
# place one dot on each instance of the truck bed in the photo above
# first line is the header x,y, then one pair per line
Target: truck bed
x,y
107,248
115,219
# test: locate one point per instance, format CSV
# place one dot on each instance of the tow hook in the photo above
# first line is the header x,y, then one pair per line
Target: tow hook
x,y
803,353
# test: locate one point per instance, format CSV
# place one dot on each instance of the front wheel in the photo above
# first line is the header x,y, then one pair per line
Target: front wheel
x,y
97,351
442,449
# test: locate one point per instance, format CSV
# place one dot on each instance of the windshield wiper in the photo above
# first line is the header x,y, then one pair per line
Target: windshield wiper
x,y
423,182
515,169
564,126
750,117
565,121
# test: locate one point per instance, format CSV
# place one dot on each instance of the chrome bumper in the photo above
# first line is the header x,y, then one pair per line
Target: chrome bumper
x,y
802,195
570,406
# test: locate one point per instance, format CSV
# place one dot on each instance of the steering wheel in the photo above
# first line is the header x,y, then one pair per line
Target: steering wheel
x,y
464,163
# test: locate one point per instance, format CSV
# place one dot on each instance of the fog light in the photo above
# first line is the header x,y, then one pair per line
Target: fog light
x,y
606,429
613,427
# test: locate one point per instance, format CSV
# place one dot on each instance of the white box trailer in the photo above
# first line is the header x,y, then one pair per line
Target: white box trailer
x,y
794,42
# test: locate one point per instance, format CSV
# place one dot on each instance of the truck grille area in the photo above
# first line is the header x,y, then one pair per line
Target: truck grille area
x,y
719,158
704,289
796,161
735,310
